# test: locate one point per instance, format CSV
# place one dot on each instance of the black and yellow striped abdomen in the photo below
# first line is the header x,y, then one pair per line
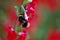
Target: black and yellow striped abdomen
x,y
23,21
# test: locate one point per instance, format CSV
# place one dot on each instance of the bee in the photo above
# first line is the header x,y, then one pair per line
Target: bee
x,y
22,16
22,19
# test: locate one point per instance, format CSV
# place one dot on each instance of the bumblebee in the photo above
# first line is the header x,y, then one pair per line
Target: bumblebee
x,y
23,21
21,18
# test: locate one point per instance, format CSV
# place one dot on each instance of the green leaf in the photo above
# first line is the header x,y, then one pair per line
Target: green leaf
x,y
25,2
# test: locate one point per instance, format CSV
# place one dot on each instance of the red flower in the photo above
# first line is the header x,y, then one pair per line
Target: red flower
x,y
54,35
22,35
9,32
11,35
30,10
0,38
51,4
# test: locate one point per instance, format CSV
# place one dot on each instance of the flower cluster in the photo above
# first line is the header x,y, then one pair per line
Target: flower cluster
x,y
8,28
